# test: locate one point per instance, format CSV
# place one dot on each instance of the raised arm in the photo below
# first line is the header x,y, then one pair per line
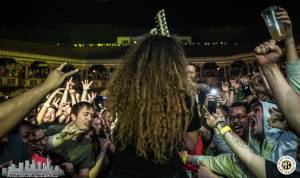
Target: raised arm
x,y
70,131
234,88
72,93
226,97
253,162
291,52
64,98
288,100
14,110
292,58
85,87
45,106
91,97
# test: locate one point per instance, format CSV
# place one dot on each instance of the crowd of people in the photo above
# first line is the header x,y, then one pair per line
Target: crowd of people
x,y
156,120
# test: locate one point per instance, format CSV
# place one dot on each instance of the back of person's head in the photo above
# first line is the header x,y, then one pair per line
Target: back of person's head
x,y
254,103
76,108
148,94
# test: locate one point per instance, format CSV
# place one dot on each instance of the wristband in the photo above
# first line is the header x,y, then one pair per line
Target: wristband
x,y
221,122
225,129
184,159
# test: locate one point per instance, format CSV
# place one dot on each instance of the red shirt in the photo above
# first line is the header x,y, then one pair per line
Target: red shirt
x,y
199,150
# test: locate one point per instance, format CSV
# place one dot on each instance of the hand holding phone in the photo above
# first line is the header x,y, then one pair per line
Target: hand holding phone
x,y
212,103
245,83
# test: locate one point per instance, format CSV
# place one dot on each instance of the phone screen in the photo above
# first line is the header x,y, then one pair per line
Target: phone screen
x,y
212,105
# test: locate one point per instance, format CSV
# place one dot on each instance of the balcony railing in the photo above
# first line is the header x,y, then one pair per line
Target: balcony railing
x,y
10,82
33,82
99,84
29,83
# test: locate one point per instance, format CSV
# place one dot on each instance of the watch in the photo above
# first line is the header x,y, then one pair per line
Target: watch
x,y
220,123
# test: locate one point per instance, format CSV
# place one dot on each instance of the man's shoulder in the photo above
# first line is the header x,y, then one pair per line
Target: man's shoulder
x,y
53,129
80,141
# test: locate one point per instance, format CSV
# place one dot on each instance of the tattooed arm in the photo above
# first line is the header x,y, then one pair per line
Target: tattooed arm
x,y
253,162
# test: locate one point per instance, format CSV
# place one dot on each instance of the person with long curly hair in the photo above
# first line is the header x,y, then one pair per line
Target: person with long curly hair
x,y
152,98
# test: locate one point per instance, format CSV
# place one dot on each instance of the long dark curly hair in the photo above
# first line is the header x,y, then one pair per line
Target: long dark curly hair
x,y
148,94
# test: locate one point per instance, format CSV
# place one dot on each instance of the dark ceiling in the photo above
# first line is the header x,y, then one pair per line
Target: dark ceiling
x,y
119,17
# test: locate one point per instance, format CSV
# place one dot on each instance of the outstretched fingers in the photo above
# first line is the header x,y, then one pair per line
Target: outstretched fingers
x,y
71,73
61,66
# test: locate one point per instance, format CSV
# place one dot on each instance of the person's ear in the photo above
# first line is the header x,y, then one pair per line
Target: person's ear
x,y
73,117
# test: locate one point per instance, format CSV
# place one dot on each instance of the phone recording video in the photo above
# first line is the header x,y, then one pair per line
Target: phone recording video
x,y
212,104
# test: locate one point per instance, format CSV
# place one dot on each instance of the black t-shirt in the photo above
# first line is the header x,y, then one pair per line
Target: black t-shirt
x,y
273,172
46,125
15,150
128,165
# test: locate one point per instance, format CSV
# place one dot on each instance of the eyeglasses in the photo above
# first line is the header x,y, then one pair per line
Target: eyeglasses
x,y
240,116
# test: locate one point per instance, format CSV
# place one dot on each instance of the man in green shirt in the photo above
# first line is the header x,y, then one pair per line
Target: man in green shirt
x,y
69,141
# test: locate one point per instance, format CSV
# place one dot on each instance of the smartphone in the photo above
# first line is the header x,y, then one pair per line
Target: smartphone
x,y
212,105
247,90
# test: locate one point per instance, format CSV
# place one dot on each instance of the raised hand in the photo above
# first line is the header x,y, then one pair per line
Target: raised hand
x,y
40,118
212,120
225,87
234,84
53,94
277,120
70,84
58,91
91,97
245,81
70,131
86,84
55,102
284,18
104,143
220,100
267,53
209,97
57,77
